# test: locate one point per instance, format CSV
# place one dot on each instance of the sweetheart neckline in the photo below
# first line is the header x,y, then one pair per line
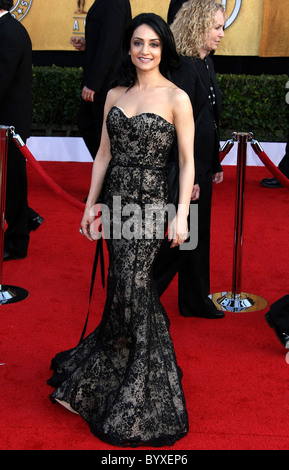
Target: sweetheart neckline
x,y
141,114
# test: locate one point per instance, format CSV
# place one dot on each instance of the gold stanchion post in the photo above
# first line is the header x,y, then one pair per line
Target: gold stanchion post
x,y
236,300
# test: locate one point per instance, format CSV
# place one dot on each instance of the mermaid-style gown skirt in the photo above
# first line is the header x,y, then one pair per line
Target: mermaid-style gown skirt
x,y
123,378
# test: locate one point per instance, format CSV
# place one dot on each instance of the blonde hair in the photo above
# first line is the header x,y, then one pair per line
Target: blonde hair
x,y
192,24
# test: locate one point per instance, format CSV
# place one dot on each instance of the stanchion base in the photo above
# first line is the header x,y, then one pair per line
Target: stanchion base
x,y
12,294
229,302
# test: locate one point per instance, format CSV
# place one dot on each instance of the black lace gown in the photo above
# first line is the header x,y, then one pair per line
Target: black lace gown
x,y
123,378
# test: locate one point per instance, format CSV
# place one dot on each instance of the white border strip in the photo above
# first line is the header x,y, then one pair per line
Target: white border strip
x,y
73,149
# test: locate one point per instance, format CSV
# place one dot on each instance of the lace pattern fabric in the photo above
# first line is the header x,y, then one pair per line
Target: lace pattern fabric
x,y
123,378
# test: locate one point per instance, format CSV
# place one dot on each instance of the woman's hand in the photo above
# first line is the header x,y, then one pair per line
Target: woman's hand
x,y
195,193
87,94
218,177
90,223
178,230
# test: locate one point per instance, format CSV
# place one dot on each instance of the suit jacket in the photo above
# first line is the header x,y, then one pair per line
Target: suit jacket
x,y
195,79
106,22
174,7
15,76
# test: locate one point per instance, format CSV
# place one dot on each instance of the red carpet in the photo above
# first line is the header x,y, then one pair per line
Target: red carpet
x,y
235,370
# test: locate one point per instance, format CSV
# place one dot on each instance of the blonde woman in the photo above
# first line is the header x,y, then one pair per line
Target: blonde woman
x,y
198,28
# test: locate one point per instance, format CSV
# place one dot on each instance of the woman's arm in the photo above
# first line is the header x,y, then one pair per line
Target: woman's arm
x,y
185,128
99,169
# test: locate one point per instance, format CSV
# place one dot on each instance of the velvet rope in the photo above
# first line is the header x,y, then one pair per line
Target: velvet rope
x,y
57,189
263,157
269,164
223,152
99,255
225,149
48,180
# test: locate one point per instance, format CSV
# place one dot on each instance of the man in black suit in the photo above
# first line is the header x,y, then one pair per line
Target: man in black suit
x,y
15,110
106,22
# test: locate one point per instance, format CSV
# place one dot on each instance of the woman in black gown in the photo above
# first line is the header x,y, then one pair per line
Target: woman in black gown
x,y
123,378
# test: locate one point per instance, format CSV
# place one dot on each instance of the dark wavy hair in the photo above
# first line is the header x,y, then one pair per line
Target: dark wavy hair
x,y
169,59
6,4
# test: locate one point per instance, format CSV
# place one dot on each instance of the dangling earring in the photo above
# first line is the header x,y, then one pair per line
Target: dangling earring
x,y
128,52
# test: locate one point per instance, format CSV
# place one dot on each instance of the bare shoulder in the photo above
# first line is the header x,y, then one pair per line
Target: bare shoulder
x,y
114,94
180,98
181,103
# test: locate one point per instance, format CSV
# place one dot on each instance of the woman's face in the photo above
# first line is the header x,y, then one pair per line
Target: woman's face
x,y
145,48
215,34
